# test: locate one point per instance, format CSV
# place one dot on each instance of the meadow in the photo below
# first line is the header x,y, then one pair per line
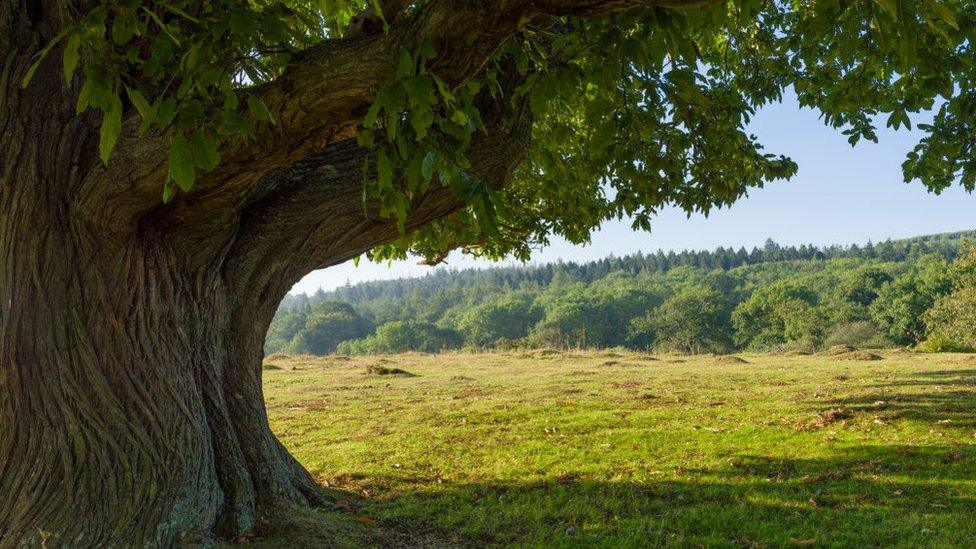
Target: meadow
x,y
621,449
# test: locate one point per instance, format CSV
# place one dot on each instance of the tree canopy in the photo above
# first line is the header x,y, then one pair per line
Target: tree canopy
x,y
614,116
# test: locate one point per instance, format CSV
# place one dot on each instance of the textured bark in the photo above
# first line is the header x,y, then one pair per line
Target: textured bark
x,y
131,333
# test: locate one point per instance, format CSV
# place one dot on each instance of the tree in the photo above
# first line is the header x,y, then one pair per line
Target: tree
x,y
331,323
899,310
404,335
778,313
509,318
951,321
168,170
695,320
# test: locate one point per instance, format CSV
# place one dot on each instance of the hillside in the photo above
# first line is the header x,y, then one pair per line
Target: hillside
x,y
692,301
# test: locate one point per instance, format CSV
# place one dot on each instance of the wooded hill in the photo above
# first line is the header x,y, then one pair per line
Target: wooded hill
x,y
774,297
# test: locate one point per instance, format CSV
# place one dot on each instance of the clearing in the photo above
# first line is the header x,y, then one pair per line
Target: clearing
x,y
617,449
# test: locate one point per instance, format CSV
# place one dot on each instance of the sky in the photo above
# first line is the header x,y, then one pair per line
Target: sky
x,y
841,195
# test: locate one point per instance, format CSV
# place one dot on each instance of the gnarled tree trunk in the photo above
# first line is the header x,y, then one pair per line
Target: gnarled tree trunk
x,y
131,409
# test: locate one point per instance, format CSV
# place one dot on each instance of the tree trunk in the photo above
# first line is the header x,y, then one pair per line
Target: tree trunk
x,y
130,409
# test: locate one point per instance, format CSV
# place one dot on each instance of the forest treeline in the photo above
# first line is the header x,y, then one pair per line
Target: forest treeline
x,y
912,292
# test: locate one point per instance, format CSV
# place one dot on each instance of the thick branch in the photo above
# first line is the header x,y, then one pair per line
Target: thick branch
x,y
315,216
325,93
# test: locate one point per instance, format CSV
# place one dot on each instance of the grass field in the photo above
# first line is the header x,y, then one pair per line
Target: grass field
x,y
624,450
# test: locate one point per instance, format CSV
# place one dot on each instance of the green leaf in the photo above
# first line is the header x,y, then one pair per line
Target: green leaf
x,y
378,10
944,13
85,95
421,121
258,109
40,58
384,169
427,169
426,50
460,118
166,111
167,193
591,91
111,128
406,68
181,162
205,154
142,105
374,110
71,55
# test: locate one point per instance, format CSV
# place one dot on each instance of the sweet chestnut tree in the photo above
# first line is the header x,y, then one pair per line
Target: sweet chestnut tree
x,y
170,168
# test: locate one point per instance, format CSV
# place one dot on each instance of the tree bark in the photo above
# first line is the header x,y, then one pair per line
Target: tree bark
x,y
131,408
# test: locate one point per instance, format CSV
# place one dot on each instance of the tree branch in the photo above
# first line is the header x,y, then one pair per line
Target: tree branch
x,y
315,217
321,97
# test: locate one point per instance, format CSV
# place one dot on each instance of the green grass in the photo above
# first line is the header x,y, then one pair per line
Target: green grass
x,y
604,450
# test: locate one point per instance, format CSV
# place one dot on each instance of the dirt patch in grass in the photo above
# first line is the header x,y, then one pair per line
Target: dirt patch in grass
x,y
840,349
860,355
378,370
798,353
731,359
822,419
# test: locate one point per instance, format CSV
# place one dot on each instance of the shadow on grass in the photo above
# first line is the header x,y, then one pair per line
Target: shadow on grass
x,y
871,495
867,496
941,397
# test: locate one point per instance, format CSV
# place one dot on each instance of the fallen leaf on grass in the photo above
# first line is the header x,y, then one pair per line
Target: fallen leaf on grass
x,y
365,521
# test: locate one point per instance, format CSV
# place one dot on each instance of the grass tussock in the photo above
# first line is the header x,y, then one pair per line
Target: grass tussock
x,y
840,350
379,370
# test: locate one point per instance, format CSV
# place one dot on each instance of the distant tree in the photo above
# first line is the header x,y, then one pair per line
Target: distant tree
x,y
283,329
951,322
595,315
510,317
862,286
778,313
695,320
404,335
899,310
326,327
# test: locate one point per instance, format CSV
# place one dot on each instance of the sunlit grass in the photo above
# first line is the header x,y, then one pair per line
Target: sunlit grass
x,y
616,450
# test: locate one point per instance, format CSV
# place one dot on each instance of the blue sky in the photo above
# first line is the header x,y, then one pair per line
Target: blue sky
x,y
842,195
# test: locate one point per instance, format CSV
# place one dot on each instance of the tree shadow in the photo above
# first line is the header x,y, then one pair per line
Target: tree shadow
x,y
941,396
864,496
867,495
